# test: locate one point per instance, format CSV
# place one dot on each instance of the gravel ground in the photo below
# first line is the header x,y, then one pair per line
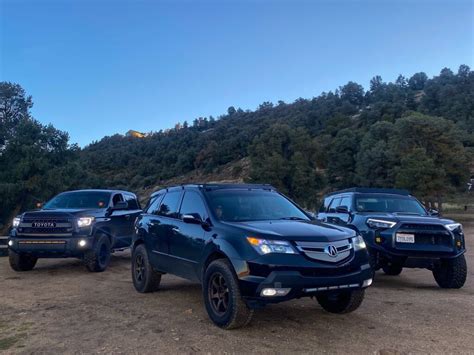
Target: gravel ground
x,y
59,307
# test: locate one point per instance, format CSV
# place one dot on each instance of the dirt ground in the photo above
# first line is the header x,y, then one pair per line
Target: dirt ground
x,y
59,307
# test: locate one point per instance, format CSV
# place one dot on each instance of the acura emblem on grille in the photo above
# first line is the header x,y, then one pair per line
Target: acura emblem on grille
x,y
331,250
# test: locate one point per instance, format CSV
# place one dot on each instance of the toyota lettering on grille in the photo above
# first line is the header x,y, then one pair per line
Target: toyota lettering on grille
x,y
43,224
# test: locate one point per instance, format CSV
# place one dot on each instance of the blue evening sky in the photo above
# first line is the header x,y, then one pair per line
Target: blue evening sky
x,y
97,68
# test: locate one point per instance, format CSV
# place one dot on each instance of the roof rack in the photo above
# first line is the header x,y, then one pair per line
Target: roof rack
x,y
216,186
372,190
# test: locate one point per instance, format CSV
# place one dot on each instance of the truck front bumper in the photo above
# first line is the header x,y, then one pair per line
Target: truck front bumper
x,y
51,247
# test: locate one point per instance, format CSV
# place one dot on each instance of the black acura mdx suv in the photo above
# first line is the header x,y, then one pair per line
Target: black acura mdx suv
x,y
86,224
400,232
247,245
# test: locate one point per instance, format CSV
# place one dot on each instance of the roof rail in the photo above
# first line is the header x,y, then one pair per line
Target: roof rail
x,y
372,190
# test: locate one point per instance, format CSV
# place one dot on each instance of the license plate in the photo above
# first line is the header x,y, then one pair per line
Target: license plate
x,y
405,238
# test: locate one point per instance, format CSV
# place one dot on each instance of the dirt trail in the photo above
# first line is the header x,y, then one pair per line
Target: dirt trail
x,y
60,307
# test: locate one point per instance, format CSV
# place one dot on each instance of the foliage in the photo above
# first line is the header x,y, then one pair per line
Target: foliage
x,y
415,133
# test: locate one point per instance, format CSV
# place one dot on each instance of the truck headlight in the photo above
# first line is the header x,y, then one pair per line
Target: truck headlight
x,y
16,222
266,246
85,221
454,226
380,223
358,243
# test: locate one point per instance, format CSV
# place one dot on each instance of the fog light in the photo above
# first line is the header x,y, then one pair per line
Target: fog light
x,y
367,283
82,243
378,240
10,243
275,292
458,243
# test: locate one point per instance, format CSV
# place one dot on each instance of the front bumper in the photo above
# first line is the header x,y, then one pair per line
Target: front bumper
x,y
51,246
303,277
428,244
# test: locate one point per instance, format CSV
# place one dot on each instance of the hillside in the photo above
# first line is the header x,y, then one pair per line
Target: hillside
x,y
414,133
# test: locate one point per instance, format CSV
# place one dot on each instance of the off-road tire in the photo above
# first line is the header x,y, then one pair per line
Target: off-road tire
x,y
392,269
342,301
98,258
237,313
145,278
451,273
21,262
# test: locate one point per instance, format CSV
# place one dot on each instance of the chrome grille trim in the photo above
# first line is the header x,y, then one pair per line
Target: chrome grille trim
x,y
316,250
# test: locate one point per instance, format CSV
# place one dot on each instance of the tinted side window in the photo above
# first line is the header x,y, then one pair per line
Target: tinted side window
x,y
154,204
193,205
325,205
117,198
132,202
346,201
334,204
170,204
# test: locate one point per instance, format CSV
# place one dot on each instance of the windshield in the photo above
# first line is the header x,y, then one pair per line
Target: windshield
x,y
389,204
80,199
252,205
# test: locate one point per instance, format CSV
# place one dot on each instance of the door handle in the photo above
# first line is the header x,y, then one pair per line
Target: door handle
x,y
176,229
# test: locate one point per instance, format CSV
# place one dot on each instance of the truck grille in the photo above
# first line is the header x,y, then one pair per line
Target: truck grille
x,y
45,226
332,252
427,234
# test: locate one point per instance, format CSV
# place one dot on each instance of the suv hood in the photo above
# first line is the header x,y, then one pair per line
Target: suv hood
x,y
69,213
294,230
401,217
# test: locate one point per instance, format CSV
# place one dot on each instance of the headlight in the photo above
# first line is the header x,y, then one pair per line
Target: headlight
x,y
359,243
16,222
380,223
85,221
454,226
266,246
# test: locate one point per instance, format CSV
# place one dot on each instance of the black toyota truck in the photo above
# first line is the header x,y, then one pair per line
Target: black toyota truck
x,y
400,232
85,224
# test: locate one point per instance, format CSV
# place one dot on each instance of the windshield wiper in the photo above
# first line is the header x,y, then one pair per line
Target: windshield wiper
x,y
293,218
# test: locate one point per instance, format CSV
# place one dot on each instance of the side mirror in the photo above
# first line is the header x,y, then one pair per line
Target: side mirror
x,y
342,209
192,219
434,213
122,205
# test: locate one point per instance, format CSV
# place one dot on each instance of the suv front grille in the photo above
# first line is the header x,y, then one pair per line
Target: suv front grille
x,y
29,226
322,250
427,234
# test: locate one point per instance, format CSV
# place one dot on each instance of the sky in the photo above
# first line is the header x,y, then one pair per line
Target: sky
x,y
96,68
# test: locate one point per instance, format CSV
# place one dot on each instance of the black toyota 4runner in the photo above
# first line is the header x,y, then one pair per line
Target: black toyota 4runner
x,y
400,232
248,246
86,224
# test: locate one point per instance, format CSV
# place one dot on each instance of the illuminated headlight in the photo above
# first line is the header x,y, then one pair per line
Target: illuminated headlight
x,y
82,243
85,221
16,222
380,223
359,243
10,243
266,246
454,226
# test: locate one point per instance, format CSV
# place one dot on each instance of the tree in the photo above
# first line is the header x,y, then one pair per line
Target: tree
x,y
417,81
286,158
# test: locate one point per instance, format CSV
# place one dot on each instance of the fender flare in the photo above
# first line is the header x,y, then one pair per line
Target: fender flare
x,y
221,248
